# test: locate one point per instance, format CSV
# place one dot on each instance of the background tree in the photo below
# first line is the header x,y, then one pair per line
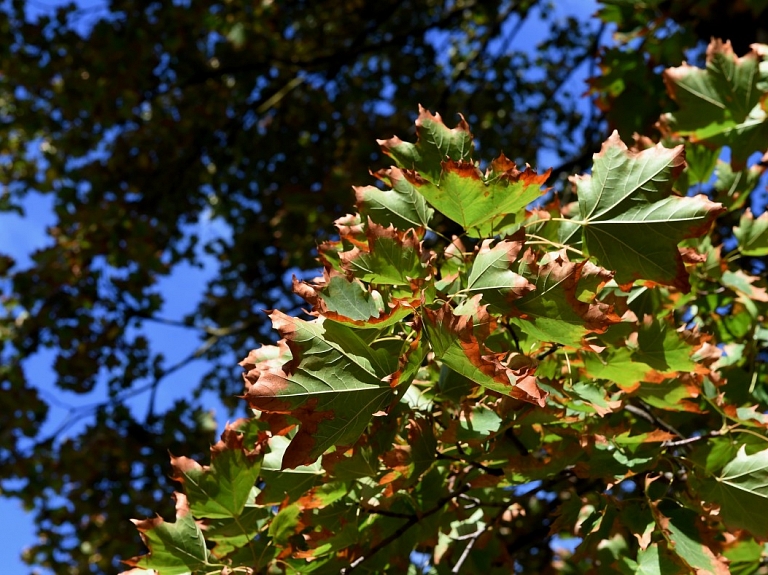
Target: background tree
x,y
150,116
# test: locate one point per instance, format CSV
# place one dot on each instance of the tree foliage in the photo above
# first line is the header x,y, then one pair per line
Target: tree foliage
x,y
553,372
510,355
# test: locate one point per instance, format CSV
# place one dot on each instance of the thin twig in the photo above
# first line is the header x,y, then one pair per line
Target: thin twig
x,y
643,411
413,520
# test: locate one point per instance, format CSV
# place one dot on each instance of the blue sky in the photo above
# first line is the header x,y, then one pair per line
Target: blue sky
x,y
22,236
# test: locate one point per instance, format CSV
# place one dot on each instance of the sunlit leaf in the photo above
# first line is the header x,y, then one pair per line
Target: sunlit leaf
x,y
722,105
631,221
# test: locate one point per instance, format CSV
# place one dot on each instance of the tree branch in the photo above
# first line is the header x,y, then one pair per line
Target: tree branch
x,y
413,520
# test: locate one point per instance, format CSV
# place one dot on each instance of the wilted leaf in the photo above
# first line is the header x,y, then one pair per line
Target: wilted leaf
x,y
174,548
554,311
333,384
390,257
349,302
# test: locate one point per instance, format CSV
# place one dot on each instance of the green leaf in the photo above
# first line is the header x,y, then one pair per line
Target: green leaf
x,y
453,341
222,489
752,234
236,532
391,257
285,524
482,205
735,187
174,548
631,223
402,206
679,526
436,143
652,561
701,162
722,105
491,276
349,302
741,490
279,483
662,348
556,310
333,384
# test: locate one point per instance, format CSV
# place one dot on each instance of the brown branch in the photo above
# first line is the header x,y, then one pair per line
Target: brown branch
x,y
413,520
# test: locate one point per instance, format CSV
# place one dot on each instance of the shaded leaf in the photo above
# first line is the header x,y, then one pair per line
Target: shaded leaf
x,y
752,234
555,311
174,548
281,484
333,384
679,526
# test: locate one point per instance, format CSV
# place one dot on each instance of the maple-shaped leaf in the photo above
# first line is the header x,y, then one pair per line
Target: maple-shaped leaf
x,y
725,104
220,490
453,341
492,277
337,298
562,308
631,222
658,351
389,256
174,548
285,484
680,527
752,234
741,490
402,206
333,384
483,205
436,143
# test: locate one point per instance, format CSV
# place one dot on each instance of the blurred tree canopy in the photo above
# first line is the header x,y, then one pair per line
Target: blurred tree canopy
x,y
143,118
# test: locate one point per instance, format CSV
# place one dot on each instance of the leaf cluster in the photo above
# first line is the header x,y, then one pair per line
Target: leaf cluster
x,y
589,371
